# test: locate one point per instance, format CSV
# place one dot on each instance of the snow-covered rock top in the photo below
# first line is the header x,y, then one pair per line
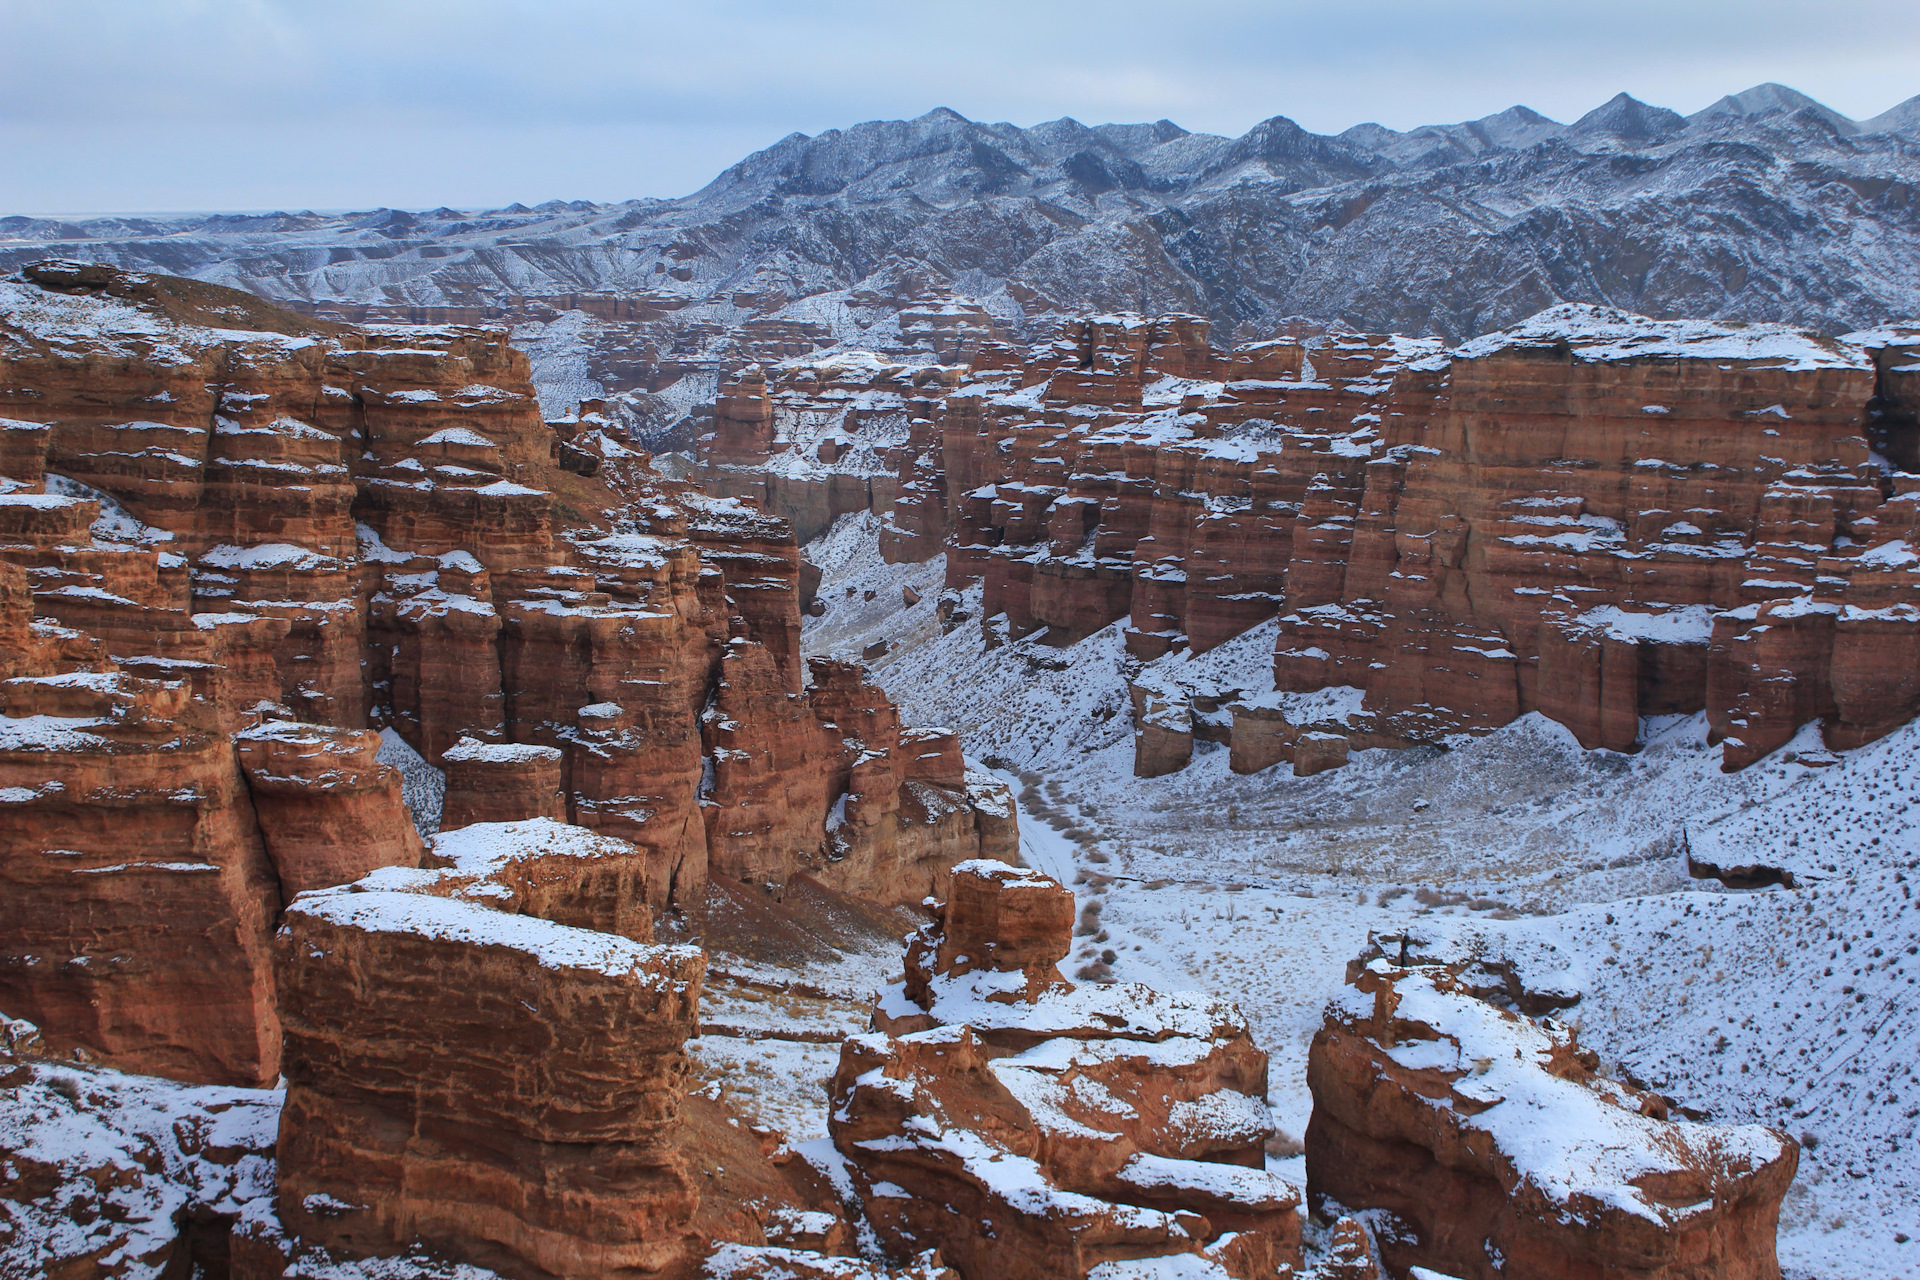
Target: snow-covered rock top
x,y
553,946
992,1001
472,749
1597,333
1579,1144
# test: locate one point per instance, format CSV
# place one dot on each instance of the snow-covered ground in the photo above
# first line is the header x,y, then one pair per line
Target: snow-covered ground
x,y
1792,1007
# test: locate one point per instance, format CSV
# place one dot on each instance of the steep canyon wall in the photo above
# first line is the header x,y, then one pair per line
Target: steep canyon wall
x,y
234,542
1593,515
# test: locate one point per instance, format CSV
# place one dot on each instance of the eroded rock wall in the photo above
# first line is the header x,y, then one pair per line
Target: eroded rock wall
x,y
1029,1128
235,542
1487,1146
1593,515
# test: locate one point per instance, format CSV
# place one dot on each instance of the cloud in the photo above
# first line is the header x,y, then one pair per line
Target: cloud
x,y
263,103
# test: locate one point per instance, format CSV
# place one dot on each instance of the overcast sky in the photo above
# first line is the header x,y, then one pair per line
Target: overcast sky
x,y
127,105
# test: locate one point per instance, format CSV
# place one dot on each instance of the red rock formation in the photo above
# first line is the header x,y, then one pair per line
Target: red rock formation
x,y
410,1114
121,1176
488,1059
812,441
1593,515
500,782
140,900
909,808
1494,1150
328,811
1039,1130
275,520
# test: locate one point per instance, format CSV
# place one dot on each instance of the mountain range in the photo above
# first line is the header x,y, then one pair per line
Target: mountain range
x,y
1766,205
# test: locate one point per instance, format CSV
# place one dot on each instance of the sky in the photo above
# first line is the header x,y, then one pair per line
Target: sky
x,y
152,105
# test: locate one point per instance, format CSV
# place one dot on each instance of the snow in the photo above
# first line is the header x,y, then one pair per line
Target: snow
x,y
499,752
1572,864
465,436
485,848
129,1157
508,489
422,787
768,1262
1127,1010
1178,1266
1599,333
553,946
272,555
116,523
1692,624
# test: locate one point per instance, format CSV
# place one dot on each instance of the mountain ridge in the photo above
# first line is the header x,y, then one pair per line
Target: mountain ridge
x,y
1765,206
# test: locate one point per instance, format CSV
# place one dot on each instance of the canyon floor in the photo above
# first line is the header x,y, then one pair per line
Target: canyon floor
x,y
1772,1005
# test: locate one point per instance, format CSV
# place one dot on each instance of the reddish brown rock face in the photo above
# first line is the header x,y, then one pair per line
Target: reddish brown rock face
x,y
500,1087
141,901
532,1119
1497,1152
500,782
1594,515
1029,1128
328,811
234,516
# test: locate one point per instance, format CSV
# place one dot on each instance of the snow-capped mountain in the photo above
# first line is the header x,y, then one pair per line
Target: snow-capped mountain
x,y
1764,206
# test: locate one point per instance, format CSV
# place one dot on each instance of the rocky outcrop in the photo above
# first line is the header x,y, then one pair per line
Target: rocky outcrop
x,y
811,440
141,898
501,782
329,812
122,1177
410,1115
487,1059
222,519
1029,1128
1489,1146
1592,515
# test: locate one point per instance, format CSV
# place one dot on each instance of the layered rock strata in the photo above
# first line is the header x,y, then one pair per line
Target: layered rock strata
x,y
1487,1146
1029,1128
813,439
488,1059
329,812
1593,515
501,782
140,897
220,519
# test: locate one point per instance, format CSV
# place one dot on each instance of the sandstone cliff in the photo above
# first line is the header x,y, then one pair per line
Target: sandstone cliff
x,y
1593,515
234,541
1487,1146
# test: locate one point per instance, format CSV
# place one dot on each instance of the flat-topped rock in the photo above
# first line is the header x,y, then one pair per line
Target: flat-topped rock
x,y
1499,1151
501,782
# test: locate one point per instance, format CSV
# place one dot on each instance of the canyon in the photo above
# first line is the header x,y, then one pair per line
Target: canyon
x,y
443,844
1592,515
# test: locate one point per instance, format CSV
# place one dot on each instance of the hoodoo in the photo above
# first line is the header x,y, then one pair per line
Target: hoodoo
x,y
1033,1129
232,521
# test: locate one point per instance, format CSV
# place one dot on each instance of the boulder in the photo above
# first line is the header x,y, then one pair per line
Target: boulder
x,y
1492,1148
1028,1128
